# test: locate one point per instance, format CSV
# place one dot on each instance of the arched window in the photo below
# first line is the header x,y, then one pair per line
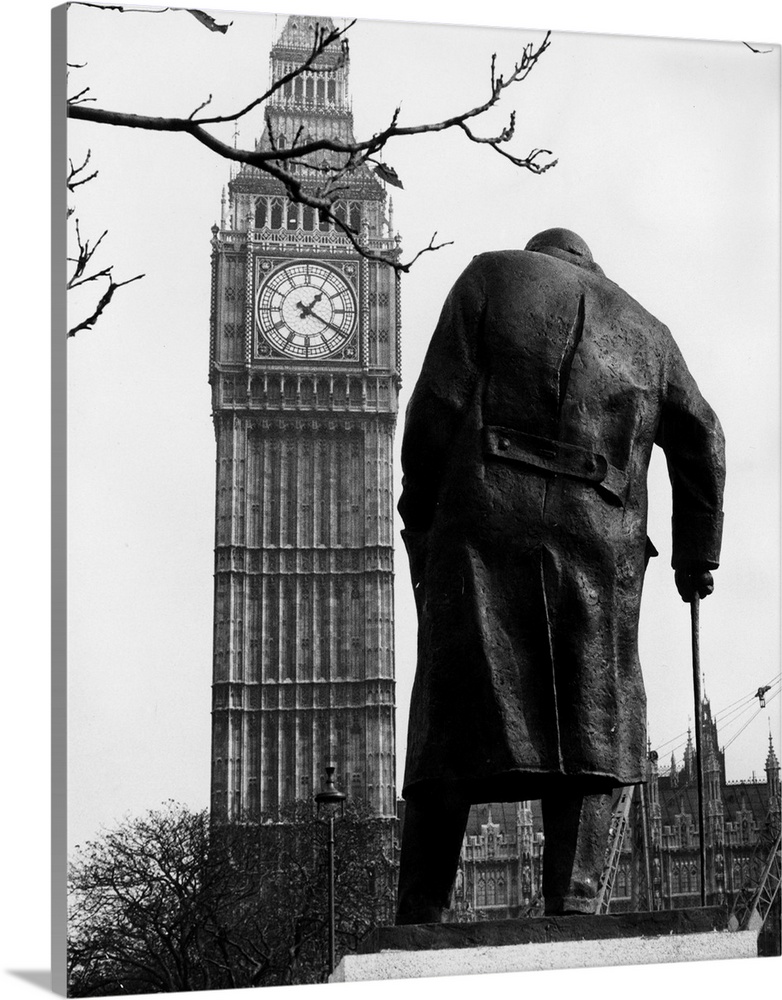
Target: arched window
x,y
298,87
310,89
355,218
480,896
332,91
260,213
308,220
321,90
276,214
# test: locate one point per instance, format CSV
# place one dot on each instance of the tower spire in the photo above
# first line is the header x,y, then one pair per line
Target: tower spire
x,y
772,769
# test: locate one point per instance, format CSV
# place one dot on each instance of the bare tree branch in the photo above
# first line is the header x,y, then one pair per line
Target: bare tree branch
x,y
200,106
203,18
285,163
86,253
79,98
527,162
209,22
73,179
760,52
107,296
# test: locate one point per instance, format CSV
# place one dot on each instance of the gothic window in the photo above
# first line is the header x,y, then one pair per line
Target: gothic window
x,y
293,215
310,89
502,892
324,523
356,630
308,221
480,896
299,87
323,219
276,213
306,615
355,218
332,90
260,213
340,213
342,626
287,88
321,90
695,882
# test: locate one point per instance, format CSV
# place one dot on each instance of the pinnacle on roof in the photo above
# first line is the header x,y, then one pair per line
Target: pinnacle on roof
x,y
772,764
299,31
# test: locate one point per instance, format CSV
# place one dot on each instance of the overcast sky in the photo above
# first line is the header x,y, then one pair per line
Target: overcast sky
x,y
668,167
721,189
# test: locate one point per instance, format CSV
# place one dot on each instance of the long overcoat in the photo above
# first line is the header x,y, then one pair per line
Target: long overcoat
x,y
525,455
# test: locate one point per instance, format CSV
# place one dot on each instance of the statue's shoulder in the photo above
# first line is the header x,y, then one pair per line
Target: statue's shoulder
x,y
501,262
522,267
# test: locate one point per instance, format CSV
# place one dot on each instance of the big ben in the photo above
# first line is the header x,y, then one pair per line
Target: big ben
x,y
304,369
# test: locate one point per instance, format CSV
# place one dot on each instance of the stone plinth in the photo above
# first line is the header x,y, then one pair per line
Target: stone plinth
x,y
537,943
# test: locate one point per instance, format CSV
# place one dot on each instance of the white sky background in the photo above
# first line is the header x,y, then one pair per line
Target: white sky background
x,y
668,167
25,839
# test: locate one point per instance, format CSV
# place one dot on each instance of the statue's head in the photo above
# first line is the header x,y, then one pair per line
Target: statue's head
x,y
565,244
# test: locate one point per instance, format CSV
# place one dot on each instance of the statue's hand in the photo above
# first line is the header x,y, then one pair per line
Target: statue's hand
x,y
690,582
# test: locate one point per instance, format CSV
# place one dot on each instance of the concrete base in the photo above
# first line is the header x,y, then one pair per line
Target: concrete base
x,y
538,943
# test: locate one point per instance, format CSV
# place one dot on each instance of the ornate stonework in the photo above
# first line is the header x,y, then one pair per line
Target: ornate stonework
x,y
304,397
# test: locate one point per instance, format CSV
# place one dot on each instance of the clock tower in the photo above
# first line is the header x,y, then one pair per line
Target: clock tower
x,y
304,369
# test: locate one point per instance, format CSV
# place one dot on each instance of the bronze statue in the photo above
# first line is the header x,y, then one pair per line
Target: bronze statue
x,y
525,456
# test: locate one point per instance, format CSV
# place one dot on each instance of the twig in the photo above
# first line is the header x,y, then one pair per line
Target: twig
x,y
107,296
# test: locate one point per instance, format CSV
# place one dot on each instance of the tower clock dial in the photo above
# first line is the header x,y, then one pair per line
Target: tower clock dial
x,y
306,310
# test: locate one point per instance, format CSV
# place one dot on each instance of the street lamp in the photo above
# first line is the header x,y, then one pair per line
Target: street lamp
x,y
332,802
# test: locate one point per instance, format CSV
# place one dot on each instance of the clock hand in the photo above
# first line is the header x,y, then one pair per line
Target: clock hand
x,y
308,310
328,322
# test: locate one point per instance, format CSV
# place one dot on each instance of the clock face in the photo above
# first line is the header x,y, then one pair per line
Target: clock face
x,y
306,310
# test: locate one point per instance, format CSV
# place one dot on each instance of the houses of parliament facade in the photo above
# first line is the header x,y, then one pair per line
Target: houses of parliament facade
x,y
502,853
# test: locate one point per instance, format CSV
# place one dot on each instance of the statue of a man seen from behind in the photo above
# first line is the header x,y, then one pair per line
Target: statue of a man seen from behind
x,y
525,455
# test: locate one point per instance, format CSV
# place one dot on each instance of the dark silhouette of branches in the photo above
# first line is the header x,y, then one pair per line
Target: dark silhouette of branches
x,y
298,166
165,902
85,251
76,175
203,18
758,52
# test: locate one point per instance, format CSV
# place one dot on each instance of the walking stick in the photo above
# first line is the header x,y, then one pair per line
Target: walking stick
x,y
696,672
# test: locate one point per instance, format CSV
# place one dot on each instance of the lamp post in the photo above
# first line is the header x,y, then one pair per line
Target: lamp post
x,y
332,801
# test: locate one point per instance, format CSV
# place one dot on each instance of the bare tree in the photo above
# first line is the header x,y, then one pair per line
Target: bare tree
x,y
298,166
164,902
